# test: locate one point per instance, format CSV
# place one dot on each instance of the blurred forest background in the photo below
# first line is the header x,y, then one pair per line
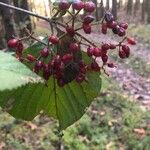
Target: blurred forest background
x,y
134,11
120,118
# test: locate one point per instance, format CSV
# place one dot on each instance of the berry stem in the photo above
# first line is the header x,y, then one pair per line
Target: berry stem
x,y
78,34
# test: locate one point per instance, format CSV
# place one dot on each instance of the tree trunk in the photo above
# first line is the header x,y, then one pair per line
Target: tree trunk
x,y
22,19
96,12
143,11
148,11
101,11
120,4
114,8
136,6
107,5
129,7
7,20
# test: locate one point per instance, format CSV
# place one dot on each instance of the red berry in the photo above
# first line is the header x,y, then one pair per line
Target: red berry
x,y
121,32
31,58
38,66
116,29
45,52
104,58
70,31
122,54
83,70
56,61
63,5
126,49
60,82
89,6
104,28
97,52
95,66
46,72
124,25
54,39
74,47
19,48
112,46
131,41
12,43
112,24
61,67
105,47
82,64
80,78
90,51
78,5
87,28
88,19
67,58
111,65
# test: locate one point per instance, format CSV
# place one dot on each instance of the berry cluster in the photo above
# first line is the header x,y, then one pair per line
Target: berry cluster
x,y
67,64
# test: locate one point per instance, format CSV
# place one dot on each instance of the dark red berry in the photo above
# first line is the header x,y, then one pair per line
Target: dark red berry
x,y
104,28
38,66
60,82
46,72
116,29
54,39
126,49
56,61
88,19
63,5
112,24
19,48
97,52
78,5
124,25
80,78
121,32
112,46
105,47
31,58
12,43
111,65
95,66
82,64
61,67
104,58
87,28
109,17
67,58
89,6
70,31
131,41
122,54
45,52
74,47
90,51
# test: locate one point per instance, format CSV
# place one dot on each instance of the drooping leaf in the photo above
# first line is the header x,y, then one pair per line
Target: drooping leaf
x,y
67,104
14,74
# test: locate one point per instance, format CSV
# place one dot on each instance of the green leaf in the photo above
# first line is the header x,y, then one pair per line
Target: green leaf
x,y
14,74
67,104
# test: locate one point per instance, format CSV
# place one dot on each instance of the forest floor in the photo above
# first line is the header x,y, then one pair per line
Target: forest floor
x,y
117,120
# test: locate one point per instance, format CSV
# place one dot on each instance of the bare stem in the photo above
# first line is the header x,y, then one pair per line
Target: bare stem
x,y
25,11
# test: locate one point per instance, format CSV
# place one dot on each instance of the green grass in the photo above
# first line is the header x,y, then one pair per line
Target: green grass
x,y
140,31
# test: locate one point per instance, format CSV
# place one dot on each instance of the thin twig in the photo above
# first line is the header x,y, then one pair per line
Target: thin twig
x,y
25,11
